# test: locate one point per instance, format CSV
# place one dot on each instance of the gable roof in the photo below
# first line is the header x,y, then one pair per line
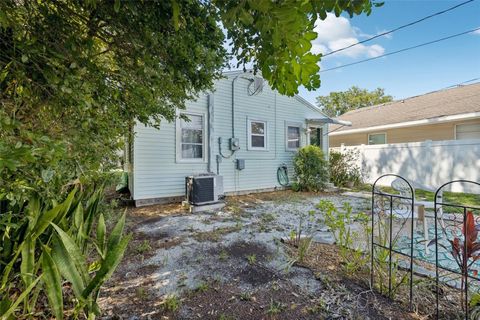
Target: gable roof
x,y
232,73
431,106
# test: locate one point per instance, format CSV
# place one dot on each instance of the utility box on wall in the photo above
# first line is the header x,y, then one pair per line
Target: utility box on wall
x,y
240,164
234,144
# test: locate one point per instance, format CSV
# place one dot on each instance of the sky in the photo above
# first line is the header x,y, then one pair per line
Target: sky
x,y
406,74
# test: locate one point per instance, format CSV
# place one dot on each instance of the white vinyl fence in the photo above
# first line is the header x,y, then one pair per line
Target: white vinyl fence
x,y
426,164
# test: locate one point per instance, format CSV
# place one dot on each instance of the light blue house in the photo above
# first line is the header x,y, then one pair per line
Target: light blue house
x,y
243,131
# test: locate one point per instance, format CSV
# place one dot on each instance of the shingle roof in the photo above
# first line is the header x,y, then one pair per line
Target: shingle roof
x,y
461,99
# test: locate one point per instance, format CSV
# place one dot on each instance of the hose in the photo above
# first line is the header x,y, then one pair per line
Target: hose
x,y
282,175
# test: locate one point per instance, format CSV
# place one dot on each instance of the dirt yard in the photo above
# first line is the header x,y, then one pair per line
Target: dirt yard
x,y
232,264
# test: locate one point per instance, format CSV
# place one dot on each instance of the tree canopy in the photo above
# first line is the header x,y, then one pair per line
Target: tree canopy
x,y
338,103
75,74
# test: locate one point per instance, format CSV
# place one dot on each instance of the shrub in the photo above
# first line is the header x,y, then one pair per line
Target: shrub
x,y
46,244
344,168
311,169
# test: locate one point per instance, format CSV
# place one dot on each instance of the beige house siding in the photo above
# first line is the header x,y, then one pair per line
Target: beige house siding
x,y
435,132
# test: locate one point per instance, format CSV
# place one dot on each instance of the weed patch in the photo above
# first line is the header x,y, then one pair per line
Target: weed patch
x,y
216,234
171,303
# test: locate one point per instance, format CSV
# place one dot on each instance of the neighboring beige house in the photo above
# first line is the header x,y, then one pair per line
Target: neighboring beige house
x,y
452,114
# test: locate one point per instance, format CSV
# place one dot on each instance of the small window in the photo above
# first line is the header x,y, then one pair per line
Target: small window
x,y
377,138
293,137
191,138
257,135
467,131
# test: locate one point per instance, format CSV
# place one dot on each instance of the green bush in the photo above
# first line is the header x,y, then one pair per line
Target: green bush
x,y
344,169
311,169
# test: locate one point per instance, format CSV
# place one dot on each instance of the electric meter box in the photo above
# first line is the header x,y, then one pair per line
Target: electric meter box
x,y
234,144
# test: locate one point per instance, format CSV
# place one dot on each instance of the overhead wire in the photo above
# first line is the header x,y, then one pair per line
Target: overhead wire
x,y
398,28
459,84
401,50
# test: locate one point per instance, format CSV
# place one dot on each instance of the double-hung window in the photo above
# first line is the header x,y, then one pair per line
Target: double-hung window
x,y
257,135
292,136
191,138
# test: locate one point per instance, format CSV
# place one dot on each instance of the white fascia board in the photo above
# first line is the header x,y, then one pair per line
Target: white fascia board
x,y
437,120
330,121
342,122
310,105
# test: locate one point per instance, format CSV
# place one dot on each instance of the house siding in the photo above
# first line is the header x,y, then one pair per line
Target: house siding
x,y
434,132
158,175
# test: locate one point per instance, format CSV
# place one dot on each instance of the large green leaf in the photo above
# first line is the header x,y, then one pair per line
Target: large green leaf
x,y
112,259
45,220
70,261
53,284
33,211
78,217
69,206
27,266
117,232
91,211
115,249
101,230
77,226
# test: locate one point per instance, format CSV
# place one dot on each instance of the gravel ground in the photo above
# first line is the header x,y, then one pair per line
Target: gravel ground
x,y
239,246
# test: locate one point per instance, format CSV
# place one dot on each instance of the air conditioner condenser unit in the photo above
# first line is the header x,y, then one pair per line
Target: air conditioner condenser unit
x,y
203,189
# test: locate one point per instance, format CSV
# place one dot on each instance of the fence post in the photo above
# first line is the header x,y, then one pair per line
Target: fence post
x,y
430,179
362,163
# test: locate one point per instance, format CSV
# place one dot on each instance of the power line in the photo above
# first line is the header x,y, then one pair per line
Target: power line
x,y
399,28
401,50
459,84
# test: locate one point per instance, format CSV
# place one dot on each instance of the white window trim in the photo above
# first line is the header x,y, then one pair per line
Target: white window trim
x,y
178,138
296,125
376,133
249,135
309,134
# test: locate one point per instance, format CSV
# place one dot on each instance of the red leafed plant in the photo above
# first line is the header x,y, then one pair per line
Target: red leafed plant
x,y
469,248
465,250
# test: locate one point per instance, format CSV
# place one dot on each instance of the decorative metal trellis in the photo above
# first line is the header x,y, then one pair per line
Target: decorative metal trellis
x,y
455,233
391,206
398,248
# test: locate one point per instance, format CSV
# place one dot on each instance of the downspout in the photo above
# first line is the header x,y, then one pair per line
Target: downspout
x,y
210,132
233,104
233,125
275,117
